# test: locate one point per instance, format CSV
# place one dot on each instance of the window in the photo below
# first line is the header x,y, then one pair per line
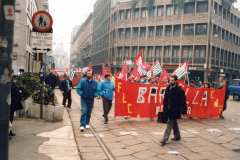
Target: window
x,y
215,7
187,51
143,50
200,51
202,6
126,51
228,16
189,8
121,14
160,10
169,10
177,10
223,33
175,53
135,32
159,31
158,51
152,12
134,51
136,13
143,32
167,51
128,14
220,11
224,13
151,31
114,36
188,29
237,22
237,40
177,30
144,12
120,32
150,52
201,29
168,30
120,51
227,38
127,32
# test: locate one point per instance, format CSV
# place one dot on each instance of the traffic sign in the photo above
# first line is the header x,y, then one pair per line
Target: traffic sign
x,y
41,42
42,21
3,42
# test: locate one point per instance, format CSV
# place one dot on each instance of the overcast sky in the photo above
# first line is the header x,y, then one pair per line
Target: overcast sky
x,y
66,14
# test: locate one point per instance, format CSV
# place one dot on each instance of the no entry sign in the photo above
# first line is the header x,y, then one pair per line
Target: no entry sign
x,y
42,21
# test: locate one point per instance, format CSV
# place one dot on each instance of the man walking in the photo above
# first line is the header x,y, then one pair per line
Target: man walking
x,y
174,105
106,91
66,86
226,96
51,80
88,89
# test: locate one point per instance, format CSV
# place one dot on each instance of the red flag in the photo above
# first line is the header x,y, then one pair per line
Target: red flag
x,y
152,75
67,69
109,69
103,72
96,77
123,73
181,70
163,77
117,74
139,61
90,66
135,74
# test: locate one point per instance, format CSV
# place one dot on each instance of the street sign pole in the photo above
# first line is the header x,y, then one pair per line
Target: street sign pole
x,y
7,12
37,62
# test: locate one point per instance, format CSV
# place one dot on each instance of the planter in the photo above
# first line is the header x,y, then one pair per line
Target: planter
x,y
25,105
50,113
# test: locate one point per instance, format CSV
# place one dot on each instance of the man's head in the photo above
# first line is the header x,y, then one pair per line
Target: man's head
x,y
107,76
192,82
21,70
145,77
224,82
51,71
152,80
173,80
129,77
67,76
89,74
12,73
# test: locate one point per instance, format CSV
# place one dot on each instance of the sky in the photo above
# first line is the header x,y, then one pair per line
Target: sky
x,y
66,14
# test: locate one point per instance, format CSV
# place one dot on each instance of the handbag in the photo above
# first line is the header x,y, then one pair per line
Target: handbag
x,y
162,117
10,124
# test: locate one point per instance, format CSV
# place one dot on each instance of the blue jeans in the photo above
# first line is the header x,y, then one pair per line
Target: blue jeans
x,y
53,91
87,106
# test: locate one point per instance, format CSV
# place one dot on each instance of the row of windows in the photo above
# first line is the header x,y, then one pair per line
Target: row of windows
x,y
101,43
100,58
159,11
226,14
102,16
151,31
101,30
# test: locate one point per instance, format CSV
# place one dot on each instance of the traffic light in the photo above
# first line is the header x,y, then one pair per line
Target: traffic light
x,y
34,56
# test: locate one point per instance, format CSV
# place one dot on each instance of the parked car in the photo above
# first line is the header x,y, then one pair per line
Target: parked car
x,y
234,89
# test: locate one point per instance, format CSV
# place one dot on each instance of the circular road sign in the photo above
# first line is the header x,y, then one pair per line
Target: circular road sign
x,y
42,21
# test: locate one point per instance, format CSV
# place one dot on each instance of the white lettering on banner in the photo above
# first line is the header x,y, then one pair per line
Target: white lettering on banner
x,y
141,92
195,98
120,76
186,94
204,98
180,84
162,95
157,109
161,108
189,110
151,93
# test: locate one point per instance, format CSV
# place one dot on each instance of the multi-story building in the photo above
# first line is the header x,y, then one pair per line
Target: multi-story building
x,y
81,42
58,59
204,33
22,51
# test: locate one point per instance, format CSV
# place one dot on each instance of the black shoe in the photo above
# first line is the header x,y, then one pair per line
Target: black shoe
x,y
221,116
176,139
12,134
69,107
163,142
9,138
105,122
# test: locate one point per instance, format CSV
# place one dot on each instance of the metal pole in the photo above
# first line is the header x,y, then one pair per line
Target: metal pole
x,y
37,62
6,47
41,93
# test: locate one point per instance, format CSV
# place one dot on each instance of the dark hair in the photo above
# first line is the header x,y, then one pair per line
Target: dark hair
x,y
85,75
192,81
90,71
50,69
209,85
128,75
175,77
107,75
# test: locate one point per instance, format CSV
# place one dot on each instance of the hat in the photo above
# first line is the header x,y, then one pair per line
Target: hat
x,y
192,81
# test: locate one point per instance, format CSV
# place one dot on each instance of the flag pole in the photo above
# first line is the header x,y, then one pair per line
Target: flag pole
x,y
188,78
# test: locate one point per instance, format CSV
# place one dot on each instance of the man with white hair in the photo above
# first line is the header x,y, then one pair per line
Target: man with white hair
x,y
66,86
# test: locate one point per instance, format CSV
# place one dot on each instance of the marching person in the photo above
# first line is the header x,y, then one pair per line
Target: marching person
x,y
87,89
106,91
51,80
192,84
129,78
15,102
226,97
66,86
173,106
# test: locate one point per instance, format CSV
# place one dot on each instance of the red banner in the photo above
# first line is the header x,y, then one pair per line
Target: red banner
x,y
144,100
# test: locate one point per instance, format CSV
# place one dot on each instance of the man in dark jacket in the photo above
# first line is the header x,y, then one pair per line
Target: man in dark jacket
x,y
226,96
51,80
174,105
66,86
88,89
15,102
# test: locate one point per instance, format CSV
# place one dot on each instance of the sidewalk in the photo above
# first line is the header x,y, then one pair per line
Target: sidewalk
x,y
39,139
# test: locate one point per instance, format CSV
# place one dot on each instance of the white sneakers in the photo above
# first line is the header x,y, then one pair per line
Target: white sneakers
x,y
87,126
82,128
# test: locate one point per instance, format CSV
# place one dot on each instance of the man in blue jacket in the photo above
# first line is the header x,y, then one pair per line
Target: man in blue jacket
x,y
106,91
88,89
51,80
66,86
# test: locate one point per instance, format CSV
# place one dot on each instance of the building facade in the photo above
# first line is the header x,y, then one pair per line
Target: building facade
x,y
22,52
202,32
58,59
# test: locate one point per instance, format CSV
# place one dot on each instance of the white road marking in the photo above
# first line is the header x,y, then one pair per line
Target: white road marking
x,y
128,133
214,130
235,129
195,132
158,133
88,135
191,130
101,135
184,131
